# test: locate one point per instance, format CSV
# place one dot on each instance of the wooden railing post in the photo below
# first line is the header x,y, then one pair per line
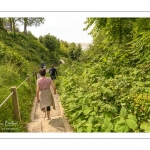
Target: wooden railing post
x,y
15,104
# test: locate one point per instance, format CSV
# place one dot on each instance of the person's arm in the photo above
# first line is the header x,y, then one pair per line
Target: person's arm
x,y
37,92
53,85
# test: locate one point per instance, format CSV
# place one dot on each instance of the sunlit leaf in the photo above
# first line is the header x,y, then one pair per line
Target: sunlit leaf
x,y
145,126
121,126
123,112
107,126
132,124
87,111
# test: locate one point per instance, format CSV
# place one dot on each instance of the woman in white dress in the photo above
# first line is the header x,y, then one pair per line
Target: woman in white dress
x,y
44,94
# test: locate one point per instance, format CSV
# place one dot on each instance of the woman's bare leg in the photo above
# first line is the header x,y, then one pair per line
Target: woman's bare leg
x,y
48,114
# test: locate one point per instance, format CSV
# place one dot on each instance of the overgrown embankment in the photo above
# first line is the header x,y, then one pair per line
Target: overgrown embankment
x,y
95,102
108,89
18,57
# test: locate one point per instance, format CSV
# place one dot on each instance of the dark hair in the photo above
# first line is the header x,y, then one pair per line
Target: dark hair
x,y
42,72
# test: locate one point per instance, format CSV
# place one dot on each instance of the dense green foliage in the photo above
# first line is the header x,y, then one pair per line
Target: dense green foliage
x,y
108,90
74,51
53,45
102,89
18,57
60,49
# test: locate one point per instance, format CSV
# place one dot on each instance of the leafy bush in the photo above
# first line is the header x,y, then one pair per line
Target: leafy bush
x,y
94,102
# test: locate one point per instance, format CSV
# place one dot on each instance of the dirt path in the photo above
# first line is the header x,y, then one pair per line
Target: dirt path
x,y
57,123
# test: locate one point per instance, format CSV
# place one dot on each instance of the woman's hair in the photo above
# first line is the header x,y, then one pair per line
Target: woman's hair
x,y
42,72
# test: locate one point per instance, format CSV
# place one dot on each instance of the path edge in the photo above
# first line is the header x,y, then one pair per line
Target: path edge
x,y
64,119
33,109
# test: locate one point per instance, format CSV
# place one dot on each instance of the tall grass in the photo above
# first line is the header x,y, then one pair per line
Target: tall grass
x,y
10,77
18,58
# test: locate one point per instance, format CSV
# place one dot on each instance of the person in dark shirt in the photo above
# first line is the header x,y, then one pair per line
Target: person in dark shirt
x,y
42,64
53,72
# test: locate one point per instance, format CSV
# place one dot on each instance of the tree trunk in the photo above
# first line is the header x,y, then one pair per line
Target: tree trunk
x,y
13,22
1,23
25,25
120,31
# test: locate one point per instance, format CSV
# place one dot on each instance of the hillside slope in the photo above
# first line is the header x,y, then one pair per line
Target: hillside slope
x,y
18,57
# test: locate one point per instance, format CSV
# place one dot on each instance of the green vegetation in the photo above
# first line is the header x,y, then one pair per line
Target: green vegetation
x,y
108,89
102,89
53,45
19,57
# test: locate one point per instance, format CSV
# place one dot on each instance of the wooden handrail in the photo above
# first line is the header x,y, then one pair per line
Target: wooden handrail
x,y
6,99
15,97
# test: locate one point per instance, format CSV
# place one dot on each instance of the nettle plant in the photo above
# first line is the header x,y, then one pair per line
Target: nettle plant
x,y
95,103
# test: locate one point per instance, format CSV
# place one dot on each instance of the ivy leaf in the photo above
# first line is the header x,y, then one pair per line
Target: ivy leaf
x,y
130,116
123,112
104,59
132,124
103,89
87,111
94,102
109,93
121,126
107,126
90,119
140,83
72,106
95,85
145,126
77,114
107,114
79,129
113,109
106,91
89,128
